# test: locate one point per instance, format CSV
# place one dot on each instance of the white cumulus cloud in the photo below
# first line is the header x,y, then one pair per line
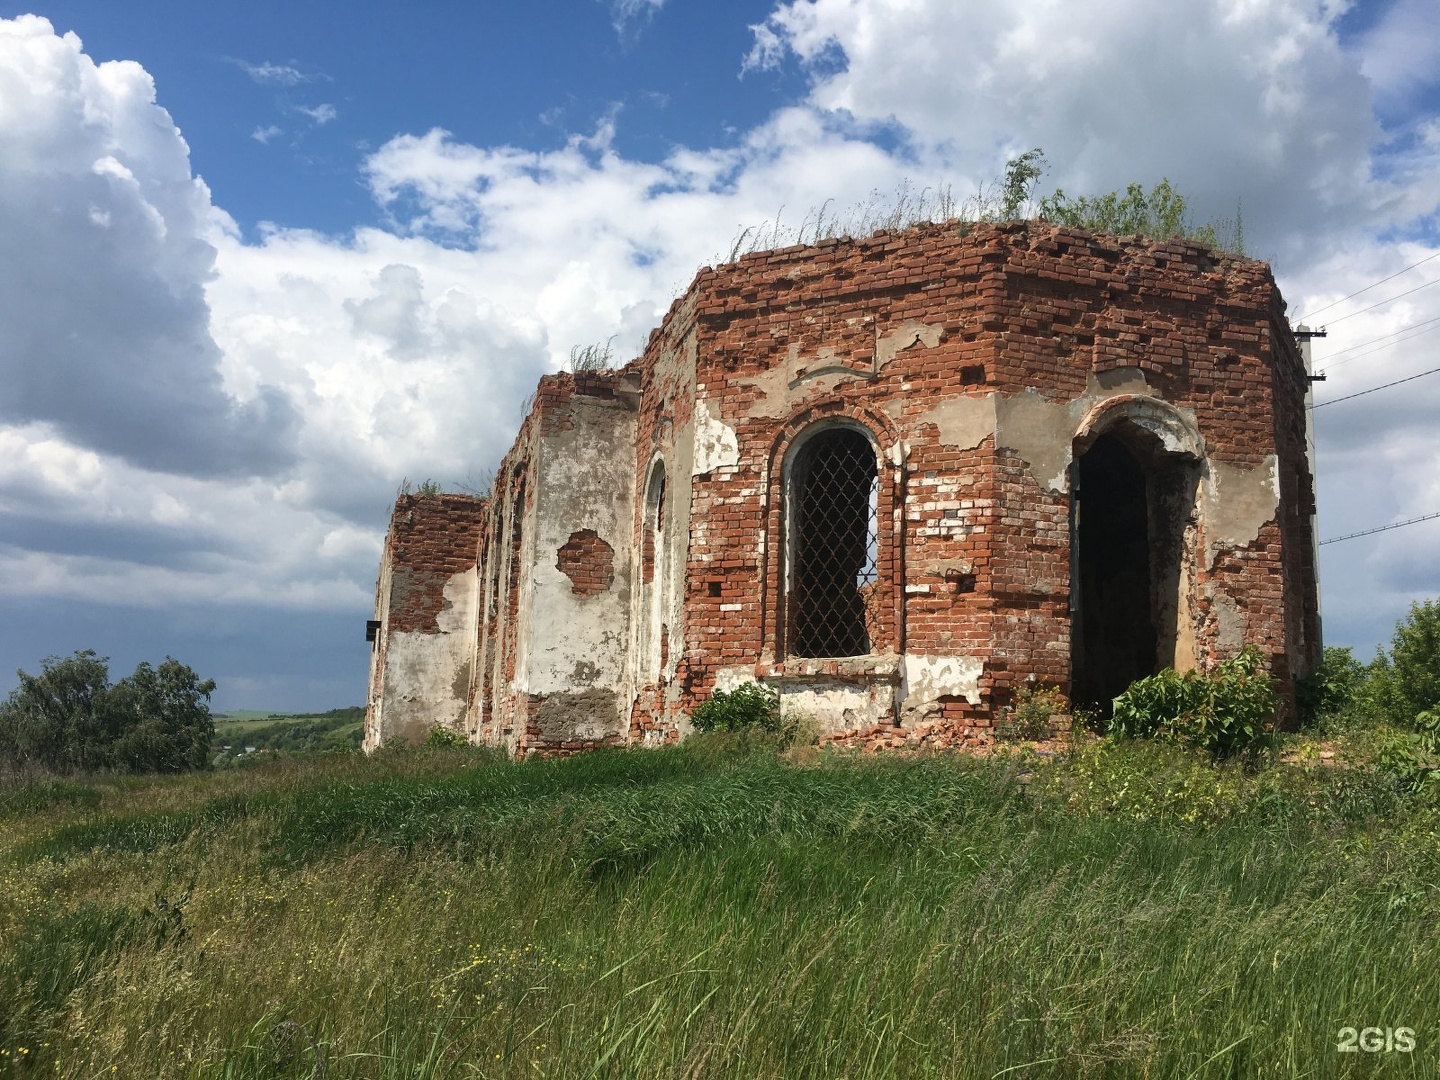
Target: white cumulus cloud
x,y
104,326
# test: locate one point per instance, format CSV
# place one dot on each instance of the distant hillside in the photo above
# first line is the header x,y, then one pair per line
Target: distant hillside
x,y
236,733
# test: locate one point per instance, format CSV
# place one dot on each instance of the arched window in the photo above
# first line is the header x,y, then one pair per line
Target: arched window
x,y
653,632
832,544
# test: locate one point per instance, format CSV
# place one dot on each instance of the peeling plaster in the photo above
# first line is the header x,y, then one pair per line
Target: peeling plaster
x,y
567,640
427,675
929,678
837,707
1238,504
578,715
1229,622
1043,432
964,423
716,446
776,394
910,332
729,679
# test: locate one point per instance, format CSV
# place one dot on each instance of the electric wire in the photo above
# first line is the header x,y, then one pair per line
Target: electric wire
x,y
1384,386
1380,529
1367,288
1384,340
1382,303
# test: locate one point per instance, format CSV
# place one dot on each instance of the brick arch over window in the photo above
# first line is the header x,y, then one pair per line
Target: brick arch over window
x,y
834,550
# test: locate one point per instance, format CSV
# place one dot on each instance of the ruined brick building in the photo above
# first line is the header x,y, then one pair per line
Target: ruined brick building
x,y
897,479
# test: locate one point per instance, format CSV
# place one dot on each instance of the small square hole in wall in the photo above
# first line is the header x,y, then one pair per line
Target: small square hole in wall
x,y
972,374
714,587
961,582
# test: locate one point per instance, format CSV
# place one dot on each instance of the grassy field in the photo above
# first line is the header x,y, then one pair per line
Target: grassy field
x,y
1113,911
338,729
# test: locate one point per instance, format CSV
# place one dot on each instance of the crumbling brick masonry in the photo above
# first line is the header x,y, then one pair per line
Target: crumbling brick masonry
x,y
897,479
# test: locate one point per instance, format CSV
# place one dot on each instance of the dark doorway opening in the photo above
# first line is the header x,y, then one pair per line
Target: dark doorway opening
x,y
1113,629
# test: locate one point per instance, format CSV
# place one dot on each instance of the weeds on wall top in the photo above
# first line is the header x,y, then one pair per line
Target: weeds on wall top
x,y
1162,213
596,357
425,487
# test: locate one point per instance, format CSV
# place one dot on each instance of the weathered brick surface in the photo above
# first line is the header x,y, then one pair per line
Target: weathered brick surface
x,y
431,538
980,363
588,561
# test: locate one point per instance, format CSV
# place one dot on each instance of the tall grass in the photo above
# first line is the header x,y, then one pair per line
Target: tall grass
x,y
1124,911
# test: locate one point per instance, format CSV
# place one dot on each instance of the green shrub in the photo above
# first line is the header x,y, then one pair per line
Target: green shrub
x,y
1031,715
444,737
749,705
747,719
1415,757
1225,712
1333,691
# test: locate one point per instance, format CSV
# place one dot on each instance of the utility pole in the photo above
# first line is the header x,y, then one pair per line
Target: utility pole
x,y
1304,335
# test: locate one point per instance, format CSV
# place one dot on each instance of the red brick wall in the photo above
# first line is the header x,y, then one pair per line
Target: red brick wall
x,y
588,561
974,537
1020,308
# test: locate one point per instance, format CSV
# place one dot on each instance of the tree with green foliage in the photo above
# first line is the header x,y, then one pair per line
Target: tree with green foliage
x,y
69,718
1334,690
1406,682
1021,175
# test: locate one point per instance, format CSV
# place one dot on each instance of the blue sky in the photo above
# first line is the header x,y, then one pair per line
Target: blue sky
x,y
260,263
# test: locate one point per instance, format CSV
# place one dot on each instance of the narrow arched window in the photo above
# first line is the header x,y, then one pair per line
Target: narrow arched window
x,y
653,631
832,538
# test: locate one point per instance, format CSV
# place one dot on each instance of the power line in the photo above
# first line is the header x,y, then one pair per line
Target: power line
x,y
1382,303
1382,528
1422,328
1386,386
1367,288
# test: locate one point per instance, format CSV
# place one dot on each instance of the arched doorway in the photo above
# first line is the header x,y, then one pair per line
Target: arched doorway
x,y
1133,541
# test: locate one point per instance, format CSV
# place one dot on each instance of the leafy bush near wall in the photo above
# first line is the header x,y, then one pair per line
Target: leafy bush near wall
x,y
1334,691
1032,715
1225,712
748,706
749,718
444,737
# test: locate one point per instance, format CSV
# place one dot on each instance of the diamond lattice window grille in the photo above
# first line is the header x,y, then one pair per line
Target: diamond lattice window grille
x,y
834,487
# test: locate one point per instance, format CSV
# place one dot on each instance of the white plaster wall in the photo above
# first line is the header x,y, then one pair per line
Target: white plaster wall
x,y
838,704
1238,503
836,707
716,446
929,678
427,675
586,481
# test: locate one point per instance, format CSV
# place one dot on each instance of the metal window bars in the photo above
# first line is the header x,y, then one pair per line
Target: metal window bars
x,y
833,491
